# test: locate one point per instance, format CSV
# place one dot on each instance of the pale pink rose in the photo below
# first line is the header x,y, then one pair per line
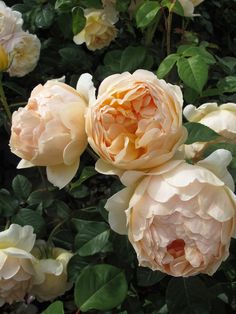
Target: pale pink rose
x,y
99,30
221,119
189,5
179,217
50,130
51,268
16,263
136,121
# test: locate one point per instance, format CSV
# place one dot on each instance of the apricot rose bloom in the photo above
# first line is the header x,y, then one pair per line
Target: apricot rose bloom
x,y
52,271
221,119
136,121
99,30
189,5
16,268
50,130
179,217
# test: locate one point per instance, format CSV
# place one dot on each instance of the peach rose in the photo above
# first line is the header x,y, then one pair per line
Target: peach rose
x,y
189,5
221,119
53,272
136,121
49,131
179,217
99,30
16,268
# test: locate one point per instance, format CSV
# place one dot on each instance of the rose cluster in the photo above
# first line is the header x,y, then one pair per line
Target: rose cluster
x,y
179,217
19,50
30,268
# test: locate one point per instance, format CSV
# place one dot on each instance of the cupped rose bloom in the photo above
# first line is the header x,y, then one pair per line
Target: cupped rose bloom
x,y
24,52
221,119
99,30
189,5
4,60
16,268
10,22
53,272
179,217
136,121
50,130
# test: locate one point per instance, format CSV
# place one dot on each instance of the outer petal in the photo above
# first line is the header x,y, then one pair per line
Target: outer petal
x,y
86,88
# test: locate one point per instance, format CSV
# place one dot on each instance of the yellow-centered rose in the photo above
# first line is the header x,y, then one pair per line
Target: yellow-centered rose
x,y
4,61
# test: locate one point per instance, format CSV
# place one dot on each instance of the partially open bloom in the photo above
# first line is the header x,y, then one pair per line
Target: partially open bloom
x,y
221,119
4,60
179,217
99,30
10,22
53,272
24,51
136,121
189,5
50,130
16,269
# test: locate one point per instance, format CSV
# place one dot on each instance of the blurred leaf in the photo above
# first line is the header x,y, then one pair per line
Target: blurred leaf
x,y
21,187
193,72
100,287
187,295
198,132
54,308
16,88
75,266
132,57
66,5
227,84
147,277
8,205
87,173
41,196
146,13
122,5
175,7
80,191
166,65
64,239
45,16
96,4
92,236
30,217
78,20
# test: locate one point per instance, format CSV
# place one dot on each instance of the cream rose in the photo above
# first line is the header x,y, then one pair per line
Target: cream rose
x,y
53,272
50,130
99,30
179,217
189,5
221,119
16,269
136,121
10,22
24,51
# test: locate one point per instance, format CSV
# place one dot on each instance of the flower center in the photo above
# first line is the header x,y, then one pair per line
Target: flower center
x,y
176,248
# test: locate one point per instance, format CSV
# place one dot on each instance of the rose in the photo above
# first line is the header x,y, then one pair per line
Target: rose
x,y
179,217
24,51
4,61
136,121
50,130
16,269
10,22
189,5
222,119
53,272
99,30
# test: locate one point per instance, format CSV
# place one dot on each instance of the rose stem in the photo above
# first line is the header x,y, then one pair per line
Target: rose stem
x,y
4,100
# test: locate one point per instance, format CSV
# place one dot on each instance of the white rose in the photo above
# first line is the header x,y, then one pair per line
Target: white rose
x,y
221,119
189,5
16,269
179,217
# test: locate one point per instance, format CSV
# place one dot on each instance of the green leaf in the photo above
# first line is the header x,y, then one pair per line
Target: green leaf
x,y
192,51
166,65
211,148
198,132
21,187
146,13
100,287
54,308
122,5
40,197
193,72
96,4
132,57
45,16
65,5
78,20
27,216
227,84
147,277
8,205
87,173
187,296
75,266
92,236
175,7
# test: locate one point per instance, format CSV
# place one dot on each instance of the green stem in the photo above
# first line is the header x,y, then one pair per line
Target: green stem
x,y
168,35
152,29
4,100
56,228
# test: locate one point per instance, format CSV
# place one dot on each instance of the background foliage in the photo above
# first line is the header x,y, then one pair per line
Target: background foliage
x,y
201,57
